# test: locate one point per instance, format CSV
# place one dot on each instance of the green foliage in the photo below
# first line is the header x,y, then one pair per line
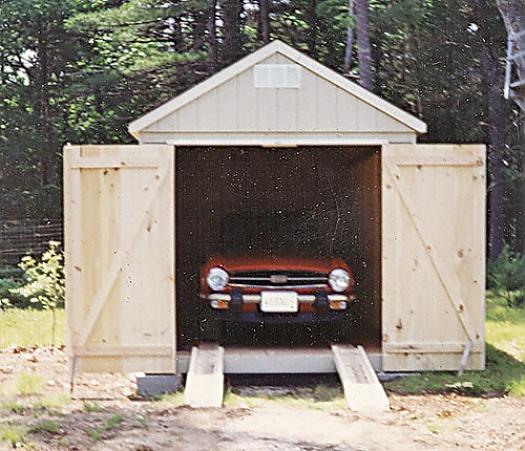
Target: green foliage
x,y
92,407
49,426
10,272
321,397
504,375
44,279
505,371
113,422
80,70
10,295
15,436
505,327
506,277
48,404
94,434
28,384
10,280
14,407
171,399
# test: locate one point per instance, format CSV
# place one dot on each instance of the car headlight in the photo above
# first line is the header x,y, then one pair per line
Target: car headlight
x,y
217,279
339,280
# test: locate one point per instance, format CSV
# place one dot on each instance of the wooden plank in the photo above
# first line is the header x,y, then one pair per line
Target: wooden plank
x,y
128,351
432,347
362,389
118,261
72,246
121,259
441,268
430,362
205,378
433,256
438,160
264,360
171,234
109,162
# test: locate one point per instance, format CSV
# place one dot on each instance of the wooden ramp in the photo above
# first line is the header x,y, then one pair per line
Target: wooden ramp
x,y
205,377
362,389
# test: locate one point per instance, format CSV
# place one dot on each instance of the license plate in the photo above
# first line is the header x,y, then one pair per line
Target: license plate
x,y
279,302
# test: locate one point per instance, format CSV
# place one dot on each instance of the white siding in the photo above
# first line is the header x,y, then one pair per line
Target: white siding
x,y
317,106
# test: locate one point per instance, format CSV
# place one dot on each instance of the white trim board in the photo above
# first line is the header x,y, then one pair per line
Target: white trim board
x,y
275,142
263,53
242,360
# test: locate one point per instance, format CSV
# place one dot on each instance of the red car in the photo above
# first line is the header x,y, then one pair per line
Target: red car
x,y
276,289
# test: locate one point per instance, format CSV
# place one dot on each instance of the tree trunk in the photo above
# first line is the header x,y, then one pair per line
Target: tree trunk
x,y
212,38
347,65
363,44
493,80
232,29
49,159
264,20
178,36
521,194
513,13
311,34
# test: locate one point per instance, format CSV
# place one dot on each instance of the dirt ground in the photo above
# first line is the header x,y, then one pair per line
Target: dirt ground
x,y
105,414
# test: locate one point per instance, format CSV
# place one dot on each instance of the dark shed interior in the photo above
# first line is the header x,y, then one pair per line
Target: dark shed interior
x,y
300,202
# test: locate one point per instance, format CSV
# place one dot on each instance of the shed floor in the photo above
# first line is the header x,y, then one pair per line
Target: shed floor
x,y
244,360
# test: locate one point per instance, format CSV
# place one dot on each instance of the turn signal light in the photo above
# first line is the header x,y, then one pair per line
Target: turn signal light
x,y
220,305
338,305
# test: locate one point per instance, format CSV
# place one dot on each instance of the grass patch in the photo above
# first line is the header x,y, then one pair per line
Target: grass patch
x,y
15,436
49,426
92,407
505,373
94,434
14,407
171,399
321,397
27,327
113,422
28,384
46,404
505,328
49,403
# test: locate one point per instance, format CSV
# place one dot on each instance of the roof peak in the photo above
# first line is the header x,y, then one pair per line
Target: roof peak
x,y
276,46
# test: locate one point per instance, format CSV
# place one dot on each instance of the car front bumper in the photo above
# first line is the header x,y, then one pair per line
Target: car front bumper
x,y
256,298
279,318
240,307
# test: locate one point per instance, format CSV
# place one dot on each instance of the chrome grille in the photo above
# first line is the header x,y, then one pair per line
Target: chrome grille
x,y
278,279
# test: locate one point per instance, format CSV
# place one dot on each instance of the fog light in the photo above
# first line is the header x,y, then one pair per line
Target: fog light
x,y
220,305
338,305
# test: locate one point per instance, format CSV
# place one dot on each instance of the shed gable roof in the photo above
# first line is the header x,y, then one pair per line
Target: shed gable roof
x,y
392,116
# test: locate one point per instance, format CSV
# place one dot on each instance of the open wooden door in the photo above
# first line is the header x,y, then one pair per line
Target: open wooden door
x,y
433,256
119,243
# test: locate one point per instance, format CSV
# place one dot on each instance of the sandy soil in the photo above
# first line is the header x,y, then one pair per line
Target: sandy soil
x,y
439,422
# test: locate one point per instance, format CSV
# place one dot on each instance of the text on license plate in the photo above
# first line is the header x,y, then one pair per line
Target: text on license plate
x,y
279,302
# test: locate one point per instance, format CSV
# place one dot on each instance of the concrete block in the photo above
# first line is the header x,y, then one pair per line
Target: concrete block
x,y
158,384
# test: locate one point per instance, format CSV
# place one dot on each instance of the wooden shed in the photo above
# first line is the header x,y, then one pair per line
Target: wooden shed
x,y
274,132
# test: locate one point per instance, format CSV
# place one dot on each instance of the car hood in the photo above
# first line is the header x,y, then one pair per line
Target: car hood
x,y
275,263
